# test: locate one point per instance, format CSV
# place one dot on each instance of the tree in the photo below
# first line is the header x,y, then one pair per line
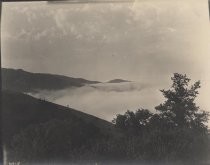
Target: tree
x,y
180,108
133,121
119,121
176,133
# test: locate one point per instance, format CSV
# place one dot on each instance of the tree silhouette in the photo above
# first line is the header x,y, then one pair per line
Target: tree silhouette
x,y
177,132
133,122
180,108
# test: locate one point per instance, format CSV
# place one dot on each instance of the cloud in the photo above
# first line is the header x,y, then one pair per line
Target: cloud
x,y
120,87
106,100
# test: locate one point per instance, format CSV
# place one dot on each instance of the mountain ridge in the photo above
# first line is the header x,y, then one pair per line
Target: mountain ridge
x,y
23,81
20,80
118,81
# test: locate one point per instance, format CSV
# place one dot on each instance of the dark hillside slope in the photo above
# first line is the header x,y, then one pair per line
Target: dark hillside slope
x,y
20,110
22,81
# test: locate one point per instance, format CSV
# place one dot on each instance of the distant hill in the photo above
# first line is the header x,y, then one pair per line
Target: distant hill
x,y
23,81
117,81
20,110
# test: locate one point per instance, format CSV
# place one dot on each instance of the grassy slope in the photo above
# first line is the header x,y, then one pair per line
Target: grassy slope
x,y
20,110
22,81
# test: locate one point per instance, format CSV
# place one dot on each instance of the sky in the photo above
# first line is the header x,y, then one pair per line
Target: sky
x,y
144,41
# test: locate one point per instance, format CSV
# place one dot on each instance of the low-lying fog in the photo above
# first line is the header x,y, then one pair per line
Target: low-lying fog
x,y
105,100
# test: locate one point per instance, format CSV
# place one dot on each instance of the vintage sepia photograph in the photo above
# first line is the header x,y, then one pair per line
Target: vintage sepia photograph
x,y
105,82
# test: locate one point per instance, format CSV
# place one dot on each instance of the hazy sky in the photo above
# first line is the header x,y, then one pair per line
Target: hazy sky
x,y
141,41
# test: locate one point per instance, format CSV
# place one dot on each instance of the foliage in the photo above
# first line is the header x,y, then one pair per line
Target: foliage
x,y
176,132
133,123
180,107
